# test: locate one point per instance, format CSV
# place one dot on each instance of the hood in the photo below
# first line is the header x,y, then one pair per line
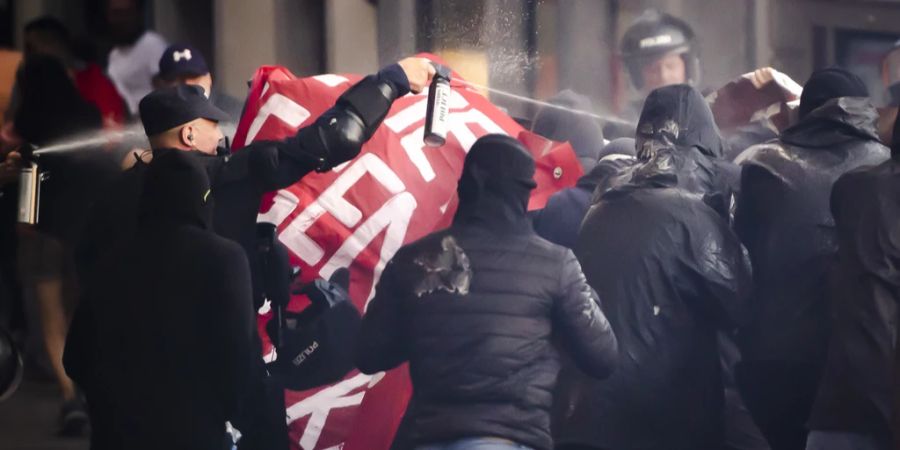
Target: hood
x,y
836,122
496,182
560,122
176,190
677,115
685,168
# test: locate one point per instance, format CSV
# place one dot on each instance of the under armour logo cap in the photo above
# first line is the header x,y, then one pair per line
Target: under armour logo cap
x,y
186,54
181,60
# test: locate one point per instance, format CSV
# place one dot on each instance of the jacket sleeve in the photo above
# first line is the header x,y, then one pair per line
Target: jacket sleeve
x,y
720,270
335,137
232,327
381,343
584,329
757,184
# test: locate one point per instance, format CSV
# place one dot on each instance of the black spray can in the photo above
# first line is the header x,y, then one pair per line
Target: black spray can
x,y
437,113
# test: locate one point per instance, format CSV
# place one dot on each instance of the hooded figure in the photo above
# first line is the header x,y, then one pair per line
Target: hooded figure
x,y
860,386
163,347
562,122
671,274
474,309
560,219
678,115
784,220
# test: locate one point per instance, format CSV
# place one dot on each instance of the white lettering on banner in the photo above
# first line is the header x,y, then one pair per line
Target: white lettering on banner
x,y
459,126
332,201
318,405
408,116
393,216
283,204
285,109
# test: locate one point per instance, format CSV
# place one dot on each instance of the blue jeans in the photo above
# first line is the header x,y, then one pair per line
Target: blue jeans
x,y
838,440
480,443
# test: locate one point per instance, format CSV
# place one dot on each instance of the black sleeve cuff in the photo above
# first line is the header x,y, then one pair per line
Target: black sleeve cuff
x,y
396,77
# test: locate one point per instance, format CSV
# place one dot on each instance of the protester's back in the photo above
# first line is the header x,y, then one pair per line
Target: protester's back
x,y
784,220
473,308
670,275
859,388
162,343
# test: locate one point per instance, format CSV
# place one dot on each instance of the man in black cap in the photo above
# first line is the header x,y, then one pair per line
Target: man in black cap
x,y
784,220
182,118
163,360
184,64
473,309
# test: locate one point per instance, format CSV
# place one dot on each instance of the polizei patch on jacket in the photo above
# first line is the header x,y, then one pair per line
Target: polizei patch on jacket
x,y
447,270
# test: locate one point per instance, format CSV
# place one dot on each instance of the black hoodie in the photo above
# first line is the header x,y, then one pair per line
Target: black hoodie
x,y
474,309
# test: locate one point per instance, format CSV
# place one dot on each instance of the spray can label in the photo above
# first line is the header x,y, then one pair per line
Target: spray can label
x,y
29,194
437,114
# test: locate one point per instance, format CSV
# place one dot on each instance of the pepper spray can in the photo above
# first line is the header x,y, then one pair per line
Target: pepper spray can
x,y
437,114
30,178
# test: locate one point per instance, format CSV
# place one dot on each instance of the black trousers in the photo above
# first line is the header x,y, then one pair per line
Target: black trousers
x,y
780,396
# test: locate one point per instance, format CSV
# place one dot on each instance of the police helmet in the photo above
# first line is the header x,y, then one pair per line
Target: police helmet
x,y
654,34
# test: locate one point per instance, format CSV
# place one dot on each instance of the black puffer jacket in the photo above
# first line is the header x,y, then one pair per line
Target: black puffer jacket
x,y
474,309
860,382
784,220
671,274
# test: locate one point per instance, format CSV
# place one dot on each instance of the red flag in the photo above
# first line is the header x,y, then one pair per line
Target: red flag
x,y
359,214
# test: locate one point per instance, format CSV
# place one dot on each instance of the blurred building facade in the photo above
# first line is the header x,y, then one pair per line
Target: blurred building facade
x,y
527,47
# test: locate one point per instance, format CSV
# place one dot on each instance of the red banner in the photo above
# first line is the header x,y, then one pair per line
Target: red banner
x,y
359,214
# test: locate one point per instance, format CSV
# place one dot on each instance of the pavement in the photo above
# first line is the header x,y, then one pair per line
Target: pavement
x,y
28,420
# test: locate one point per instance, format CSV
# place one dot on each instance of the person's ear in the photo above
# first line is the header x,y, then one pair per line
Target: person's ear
x,y
187,135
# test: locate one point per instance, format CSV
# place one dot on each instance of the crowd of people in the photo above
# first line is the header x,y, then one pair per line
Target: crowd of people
x,y
697,289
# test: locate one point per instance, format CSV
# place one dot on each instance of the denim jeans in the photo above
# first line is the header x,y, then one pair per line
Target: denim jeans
x,y
838,440
480,443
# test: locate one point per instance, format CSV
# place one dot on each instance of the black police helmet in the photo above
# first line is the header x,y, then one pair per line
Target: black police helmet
x,y
654,34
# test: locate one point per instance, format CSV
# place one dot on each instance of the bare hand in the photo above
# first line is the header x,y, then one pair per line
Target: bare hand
x,y
762,77
419,72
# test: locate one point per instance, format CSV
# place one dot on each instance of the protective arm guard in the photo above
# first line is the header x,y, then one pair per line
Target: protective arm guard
x,y
338,134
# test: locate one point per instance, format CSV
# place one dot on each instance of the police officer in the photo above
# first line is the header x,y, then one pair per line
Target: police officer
x,y
181,118
658,50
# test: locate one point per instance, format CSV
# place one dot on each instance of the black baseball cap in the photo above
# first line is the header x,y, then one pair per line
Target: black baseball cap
x,y
166,108
182,60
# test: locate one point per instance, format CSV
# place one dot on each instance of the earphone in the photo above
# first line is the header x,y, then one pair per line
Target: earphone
x,y
191,137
